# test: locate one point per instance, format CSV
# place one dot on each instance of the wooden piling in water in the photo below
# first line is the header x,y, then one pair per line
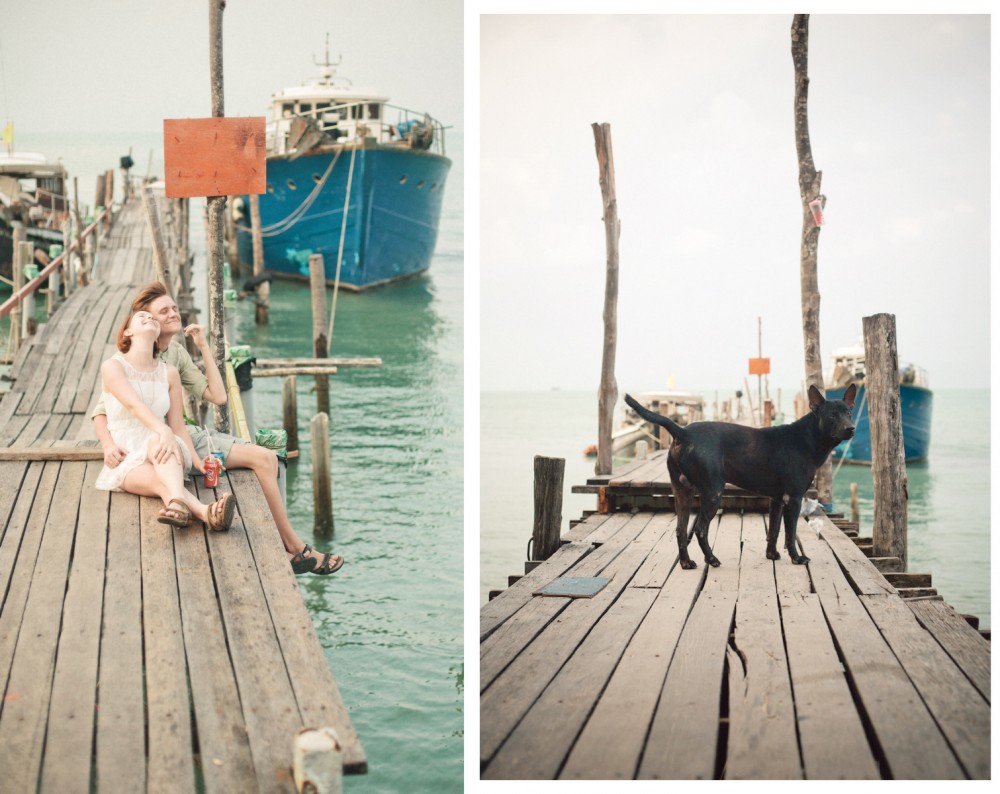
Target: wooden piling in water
x,y
549,474
608,395
290,413
886,425
319,433
263,290
160,262
317,286
216,211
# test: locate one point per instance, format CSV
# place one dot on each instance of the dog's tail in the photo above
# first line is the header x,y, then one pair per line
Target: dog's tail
x,y
675,429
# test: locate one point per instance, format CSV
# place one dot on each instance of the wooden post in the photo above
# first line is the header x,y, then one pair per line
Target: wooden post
x,y
290,412
317,286
886,426
264,289
548,506
83,276
608,394
69,283
216,210
855,512
29,323
319,435
109,195
160,263
17,271
809,189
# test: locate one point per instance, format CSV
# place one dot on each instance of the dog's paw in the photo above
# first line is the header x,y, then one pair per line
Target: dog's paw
x,y
803,560
688,564
773,555
715,562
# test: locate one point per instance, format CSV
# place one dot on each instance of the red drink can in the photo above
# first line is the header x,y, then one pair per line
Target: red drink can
x,y
212,469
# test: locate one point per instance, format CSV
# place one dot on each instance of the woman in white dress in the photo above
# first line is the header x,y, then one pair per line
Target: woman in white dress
x,y
143,400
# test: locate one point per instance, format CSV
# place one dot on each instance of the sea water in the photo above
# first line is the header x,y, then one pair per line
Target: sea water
x,y
949,496
390,621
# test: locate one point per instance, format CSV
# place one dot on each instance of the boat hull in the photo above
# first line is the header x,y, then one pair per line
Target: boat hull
x,y
392,216
916,406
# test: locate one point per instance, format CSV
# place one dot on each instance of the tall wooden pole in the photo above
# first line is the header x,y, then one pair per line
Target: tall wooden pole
x,y
608,394
885,421
216,215
809,190
264,289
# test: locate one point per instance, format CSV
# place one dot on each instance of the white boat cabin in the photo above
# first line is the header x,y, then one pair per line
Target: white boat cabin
x,y
849,367
331,110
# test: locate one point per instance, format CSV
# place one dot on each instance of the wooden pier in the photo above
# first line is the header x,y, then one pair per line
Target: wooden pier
x,y
135,656
753,670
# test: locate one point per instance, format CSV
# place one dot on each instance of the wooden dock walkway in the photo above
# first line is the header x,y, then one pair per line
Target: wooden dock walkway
x,y
753,670
135,656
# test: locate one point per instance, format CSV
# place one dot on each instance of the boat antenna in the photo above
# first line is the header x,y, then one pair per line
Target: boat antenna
x,y
328,68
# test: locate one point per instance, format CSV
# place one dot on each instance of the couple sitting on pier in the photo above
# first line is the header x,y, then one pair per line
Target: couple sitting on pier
x,y
148,449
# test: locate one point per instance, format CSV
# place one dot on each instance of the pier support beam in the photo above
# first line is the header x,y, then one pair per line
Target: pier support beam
x,y
886,426
549,474
321,348
319,432
608,395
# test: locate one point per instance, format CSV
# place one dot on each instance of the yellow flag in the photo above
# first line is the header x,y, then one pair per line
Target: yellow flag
x,y
8,133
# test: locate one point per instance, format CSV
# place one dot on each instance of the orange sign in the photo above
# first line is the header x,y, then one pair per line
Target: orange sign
x,y
214,156
760,366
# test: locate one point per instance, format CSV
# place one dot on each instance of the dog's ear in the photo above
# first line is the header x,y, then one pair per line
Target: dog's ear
x,y
816,398
850,394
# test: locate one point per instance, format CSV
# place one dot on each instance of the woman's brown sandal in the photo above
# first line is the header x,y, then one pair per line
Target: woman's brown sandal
x,y
183,517
220,513
325,568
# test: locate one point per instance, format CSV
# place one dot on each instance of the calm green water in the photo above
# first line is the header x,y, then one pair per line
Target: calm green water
x,y
949,506
391,619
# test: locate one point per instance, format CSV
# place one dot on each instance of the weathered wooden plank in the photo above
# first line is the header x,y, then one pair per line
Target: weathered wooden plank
x,y
756,570
11,475
611,743
958,708
969,649
121,733
22,454
226,763
18,553
12,428
684,733
859,571
256,655
791,578
518,594
88,355
23,720
31,431
534,750
727,547
584,528
520,629
662,557
762,737
68,742
504,703
66,370
8,406
641,475
168,711
911,743
831,733
319,700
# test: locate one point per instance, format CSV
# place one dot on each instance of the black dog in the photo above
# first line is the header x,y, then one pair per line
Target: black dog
x,y
779,462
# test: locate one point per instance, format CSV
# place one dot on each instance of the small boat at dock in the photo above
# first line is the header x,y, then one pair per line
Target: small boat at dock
x,y
916,405
681,407
32,196
334,149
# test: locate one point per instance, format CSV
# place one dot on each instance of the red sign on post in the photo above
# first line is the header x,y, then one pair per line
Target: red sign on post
x,y
760,366
214,156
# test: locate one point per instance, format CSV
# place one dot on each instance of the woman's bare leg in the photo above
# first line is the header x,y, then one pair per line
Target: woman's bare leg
x,y
165,480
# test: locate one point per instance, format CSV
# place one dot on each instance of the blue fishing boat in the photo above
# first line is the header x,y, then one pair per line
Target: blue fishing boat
x,y
916,404
351,177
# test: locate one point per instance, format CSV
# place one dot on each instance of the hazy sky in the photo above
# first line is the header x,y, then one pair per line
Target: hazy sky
x,y
700,109
128,65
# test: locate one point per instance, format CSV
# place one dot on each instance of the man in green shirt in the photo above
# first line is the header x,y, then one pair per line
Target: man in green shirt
x,y
209,385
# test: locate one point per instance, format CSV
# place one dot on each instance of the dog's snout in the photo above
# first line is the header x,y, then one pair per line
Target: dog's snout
x,y
849,431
